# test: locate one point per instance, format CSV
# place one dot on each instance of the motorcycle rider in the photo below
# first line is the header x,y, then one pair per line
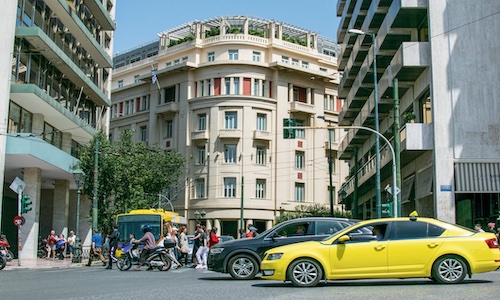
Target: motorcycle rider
x,y
149,245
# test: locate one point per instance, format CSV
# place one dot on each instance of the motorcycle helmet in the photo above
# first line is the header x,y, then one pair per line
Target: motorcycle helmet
x,y
146,228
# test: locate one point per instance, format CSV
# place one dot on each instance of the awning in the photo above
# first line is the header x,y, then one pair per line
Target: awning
x,y
477,177
423,185
407,186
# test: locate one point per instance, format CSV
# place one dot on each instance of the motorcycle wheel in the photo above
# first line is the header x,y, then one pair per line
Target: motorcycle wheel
x,y
42,253
2,263
167,263
124,263
9,256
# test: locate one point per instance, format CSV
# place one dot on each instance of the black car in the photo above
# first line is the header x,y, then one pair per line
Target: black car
x,y
241,258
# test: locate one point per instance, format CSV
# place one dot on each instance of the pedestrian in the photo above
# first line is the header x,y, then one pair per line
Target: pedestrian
x,y
149,245
95,250
252,232
51,244
70,243
242,233
213,239
478,228
202,252
491,227
113,244
61,246
196,243
175,249
183,245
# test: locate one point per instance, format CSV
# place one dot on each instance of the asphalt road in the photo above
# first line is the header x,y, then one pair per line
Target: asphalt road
x,y
186,283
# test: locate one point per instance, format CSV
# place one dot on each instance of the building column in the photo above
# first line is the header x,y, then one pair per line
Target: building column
x,y
269,224
30,230
66,142
290,92
208,224
308,95
60,211
217,225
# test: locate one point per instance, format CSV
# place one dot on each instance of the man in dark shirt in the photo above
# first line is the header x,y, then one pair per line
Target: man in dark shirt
x,y
113,244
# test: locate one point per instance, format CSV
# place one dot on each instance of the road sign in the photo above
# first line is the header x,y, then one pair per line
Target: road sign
x,y
18,221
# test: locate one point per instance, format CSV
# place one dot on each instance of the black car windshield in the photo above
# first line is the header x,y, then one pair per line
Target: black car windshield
x,y
341,232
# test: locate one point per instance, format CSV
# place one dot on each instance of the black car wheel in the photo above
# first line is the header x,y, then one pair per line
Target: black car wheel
x,y
449,269
243,267
305,273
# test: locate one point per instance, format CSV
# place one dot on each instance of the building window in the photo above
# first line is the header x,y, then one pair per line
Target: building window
x,y
209,87
230,154
227,85
202,88
300,133
169,64
261,156
256,87
305,64
184,59
169,94
230,187
236,85
231,120
136,78
120,83
211,56
200,160
202,122
299,192
145,103
256,56
144,134
169,129
323,70
260,189
177,61
299,160
285,59
20,120
233,54
329,52
295,62
200,188
261,122
263,91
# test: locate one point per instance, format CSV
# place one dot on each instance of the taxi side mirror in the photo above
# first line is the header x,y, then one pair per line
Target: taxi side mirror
x,y
344,238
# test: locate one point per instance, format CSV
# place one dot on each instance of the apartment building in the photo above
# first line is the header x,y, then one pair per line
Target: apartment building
x,y
56,65
436,77
222,92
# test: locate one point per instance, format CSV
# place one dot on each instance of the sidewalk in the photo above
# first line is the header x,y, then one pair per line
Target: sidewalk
x,y
42,263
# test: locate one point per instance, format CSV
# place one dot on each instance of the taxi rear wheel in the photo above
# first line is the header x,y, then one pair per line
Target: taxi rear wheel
x,y
305,273
243,267
449,269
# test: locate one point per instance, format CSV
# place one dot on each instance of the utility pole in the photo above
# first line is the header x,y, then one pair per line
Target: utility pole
x,y
397,143
96,175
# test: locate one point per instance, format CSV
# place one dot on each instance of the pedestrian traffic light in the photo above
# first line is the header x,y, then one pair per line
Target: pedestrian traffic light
x,y
25,204
289,133
387,209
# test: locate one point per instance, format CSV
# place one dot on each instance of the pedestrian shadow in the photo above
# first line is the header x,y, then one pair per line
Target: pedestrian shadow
x,y
356,283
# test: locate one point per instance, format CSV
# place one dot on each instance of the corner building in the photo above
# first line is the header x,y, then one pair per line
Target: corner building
x,y
225,88
55,69
443,55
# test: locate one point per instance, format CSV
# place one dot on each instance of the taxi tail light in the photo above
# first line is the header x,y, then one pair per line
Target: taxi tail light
x,y
492,243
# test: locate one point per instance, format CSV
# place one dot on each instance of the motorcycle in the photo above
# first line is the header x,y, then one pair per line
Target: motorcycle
x,y
4,249
2,262
158,258
42,247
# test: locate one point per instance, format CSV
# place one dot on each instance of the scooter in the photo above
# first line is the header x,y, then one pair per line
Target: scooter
x,y
3,262
158,258
42,248
4,249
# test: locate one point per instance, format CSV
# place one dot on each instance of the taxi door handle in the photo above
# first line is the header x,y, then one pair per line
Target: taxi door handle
x,y
380,247
433,245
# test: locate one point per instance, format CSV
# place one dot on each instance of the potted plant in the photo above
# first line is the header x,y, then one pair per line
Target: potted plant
x,y
409,117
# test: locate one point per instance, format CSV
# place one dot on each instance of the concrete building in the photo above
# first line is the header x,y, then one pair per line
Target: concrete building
x,y
56,60
225,88
444,57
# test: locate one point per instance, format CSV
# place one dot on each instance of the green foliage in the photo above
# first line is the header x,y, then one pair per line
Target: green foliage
x,y
190,37
294,40
256,32
409,116
314,210
212,32
235,30
128,173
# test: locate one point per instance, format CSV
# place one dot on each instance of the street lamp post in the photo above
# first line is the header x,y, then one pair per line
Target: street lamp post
x,y
79,176
377,142
330,164
199,215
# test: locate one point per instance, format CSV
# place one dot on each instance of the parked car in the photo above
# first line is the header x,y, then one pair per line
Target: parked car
x,y
403,248
241,258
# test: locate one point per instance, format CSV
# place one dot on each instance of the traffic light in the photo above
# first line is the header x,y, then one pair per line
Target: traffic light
x,y
289,133
387,209
25,204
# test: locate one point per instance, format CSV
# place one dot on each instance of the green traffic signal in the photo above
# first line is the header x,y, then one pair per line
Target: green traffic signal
x,y
26,204
387,209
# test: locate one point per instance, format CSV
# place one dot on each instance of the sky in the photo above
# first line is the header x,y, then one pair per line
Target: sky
x,y
138,21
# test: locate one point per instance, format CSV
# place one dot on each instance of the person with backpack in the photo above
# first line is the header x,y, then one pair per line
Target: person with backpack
x,y
113,244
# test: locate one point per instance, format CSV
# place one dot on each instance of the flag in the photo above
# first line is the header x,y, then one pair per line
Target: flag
x,y
153,76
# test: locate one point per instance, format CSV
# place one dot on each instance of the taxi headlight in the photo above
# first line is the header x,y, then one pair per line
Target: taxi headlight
x,y
274,256
216,250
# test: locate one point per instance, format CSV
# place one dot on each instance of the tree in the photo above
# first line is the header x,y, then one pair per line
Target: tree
x,y
131,175
314,210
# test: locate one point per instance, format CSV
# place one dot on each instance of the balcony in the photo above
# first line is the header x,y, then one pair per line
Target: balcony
x,y
230,133
167,108
100,14
199,135
301,107
417,136
262,135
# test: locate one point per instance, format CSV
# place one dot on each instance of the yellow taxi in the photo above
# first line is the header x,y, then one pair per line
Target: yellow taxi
x,y
409,247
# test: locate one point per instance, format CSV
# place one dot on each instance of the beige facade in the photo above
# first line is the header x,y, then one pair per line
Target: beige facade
x,y
224,88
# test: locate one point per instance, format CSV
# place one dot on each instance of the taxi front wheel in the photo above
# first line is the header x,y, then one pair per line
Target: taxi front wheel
x,y
305,273
449,269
